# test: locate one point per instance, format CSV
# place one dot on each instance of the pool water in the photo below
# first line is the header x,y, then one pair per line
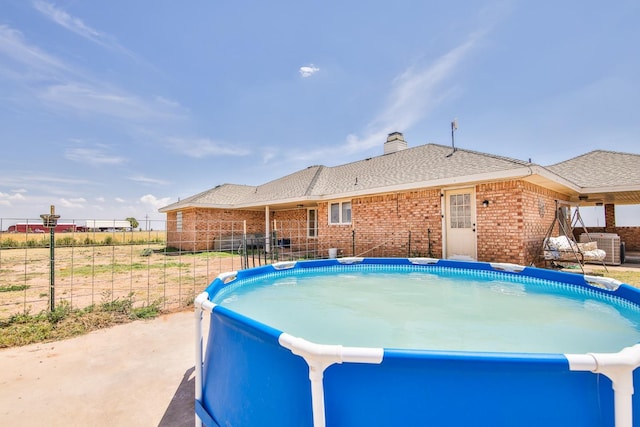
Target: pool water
x,y
422,309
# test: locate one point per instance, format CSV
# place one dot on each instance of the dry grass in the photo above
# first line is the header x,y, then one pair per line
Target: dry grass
x,y
79,238
97,287
87,275
630,277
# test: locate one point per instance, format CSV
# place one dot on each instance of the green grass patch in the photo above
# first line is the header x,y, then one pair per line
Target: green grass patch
x,y
13,288
88,269
66,322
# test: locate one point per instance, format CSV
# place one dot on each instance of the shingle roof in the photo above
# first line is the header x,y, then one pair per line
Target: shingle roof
x,y
293,186
225,194
601,168
419,165
428,162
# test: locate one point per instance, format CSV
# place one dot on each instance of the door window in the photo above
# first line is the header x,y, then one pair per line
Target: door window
x,y
460,211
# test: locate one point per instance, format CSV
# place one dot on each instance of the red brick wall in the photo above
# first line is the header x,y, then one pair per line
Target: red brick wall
x,y
512,227
399,224
610,217
200,227
292,225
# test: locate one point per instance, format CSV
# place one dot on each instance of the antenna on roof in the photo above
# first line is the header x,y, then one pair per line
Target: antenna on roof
x,y
454,127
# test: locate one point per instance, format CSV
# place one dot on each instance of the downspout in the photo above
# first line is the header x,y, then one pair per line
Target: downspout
x,y
618,367
319,357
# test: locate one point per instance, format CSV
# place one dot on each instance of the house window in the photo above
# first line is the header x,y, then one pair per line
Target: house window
x,y
340,213
179,221
312,222
460,210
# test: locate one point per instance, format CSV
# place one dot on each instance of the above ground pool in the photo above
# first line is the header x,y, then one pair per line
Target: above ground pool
x,y
416,342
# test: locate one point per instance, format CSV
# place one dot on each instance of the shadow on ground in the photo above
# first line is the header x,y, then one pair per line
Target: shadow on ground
x,y
180,411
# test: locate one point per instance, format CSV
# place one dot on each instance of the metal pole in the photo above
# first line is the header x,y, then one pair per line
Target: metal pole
x,y
454,126
52,269
50,221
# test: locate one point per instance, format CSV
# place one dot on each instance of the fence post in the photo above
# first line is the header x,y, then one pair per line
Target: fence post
x,y
50,221
244,258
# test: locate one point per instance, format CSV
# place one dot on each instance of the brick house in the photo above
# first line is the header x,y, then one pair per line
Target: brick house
x,y
451,203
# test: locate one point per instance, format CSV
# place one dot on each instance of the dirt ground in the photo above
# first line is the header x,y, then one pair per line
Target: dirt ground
x,y
137,374
91,275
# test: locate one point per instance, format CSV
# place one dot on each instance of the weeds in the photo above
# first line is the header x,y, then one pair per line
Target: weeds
x,y
66,322
13,288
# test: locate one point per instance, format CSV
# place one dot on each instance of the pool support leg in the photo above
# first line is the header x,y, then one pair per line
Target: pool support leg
x,y
618,367
319,357
201,303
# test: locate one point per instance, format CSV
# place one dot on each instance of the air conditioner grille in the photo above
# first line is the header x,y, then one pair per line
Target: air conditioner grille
x,y
608,242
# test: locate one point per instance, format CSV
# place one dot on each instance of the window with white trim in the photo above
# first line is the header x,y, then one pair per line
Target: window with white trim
x,y
340,213
179,221
312,222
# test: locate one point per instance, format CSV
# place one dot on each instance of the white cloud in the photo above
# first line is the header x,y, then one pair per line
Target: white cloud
x,y
93,156
77,26
15,196
416,92
308,70
86,98
74,89
120,200
6,199
155,202
76,203
13,45
62,18
204,147
146,180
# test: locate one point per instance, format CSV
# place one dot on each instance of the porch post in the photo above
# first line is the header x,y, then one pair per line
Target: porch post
x,y
610,218
267,230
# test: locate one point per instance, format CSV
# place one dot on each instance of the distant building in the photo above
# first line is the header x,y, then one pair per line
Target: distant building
x,y
34,227
61,227
107,225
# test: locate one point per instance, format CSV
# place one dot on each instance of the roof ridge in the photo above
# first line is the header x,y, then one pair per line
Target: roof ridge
x,y
482,153
596,151
314,180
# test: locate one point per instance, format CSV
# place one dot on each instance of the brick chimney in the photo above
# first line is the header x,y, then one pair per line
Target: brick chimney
x,y
395,142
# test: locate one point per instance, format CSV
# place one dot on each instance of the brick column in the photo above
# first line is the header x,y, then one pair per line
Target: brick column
x,y
610,218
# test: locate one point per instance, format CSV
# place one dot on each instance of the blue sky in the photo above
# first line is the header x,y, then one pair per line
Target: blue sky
x,y
116,108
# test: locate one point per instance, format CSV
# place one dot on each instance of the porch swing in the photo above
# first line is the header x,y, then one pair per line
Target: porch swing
x,y
563,250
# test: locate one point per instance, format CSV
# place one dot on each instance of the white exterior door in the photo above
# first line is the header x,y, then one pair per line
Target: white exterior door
x,y
460,224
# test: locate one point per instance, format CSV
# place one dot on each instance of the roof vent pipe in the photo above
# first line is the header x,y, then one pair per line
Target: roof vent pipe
x,y
395,142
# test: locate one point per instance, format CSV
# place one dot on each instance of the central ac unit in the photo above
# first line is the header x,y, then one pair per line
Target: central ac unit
x,y
608,242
